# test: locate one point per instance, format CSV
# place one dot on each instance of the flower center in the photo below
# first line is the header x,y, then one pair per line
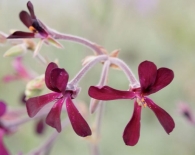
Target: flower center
x,y
141,101
31,28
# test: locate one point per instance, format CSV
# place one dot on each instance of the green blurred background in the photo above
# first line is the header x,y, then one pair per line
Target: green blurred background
x,y
161,31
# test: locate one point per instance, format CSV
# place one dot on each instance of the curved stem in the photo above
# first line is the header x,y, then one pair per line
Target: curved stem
x,y
102,82
48,143
131,77
89,44
16,123
41,59
86,68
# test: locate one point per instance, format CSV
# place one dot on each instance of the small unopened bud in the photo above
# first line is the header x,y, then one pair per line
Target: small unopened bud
x,y
30,44
16,50
35,86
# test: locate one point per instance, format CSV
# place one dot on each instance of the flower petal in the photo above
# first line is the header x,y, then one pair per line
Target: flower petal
x,y
108,93
147,75
3,108
25,18
53,118
78,123
59,78
131,133
163,78
164,118
41,31
31,9
35,104
3,149
48,83
20,34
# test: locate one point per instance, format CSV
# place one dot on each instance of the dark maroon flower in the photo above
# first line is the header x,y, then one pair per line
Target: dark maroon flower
x,y
33,24
3,149
3,131
151,80
56,79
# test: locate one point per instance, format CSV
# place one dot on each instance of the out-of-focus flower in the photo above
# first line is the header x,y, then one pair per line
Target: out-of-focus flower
x,y
56,79
38,30
20,71
3,131
151,80
186,112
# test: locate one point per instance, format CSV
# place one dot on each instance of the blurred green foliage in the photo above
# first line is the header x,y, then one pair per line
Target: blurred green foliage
x,y
161,31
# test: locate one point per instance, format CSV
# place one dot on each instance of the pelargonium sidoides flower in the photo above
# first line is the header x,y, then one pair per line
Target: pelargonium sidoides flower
x,y
151,80
56,79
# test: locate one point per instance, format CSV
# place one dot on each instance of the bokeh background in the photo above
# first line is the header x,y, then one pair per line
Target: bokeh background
x,y
161,31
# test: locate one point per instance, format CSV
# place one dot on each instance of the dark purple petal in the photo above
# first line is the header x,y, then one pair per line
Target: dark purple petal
x,y
147,75
131,133
48,83
20,34
31,9
35,104
3,108
163,78
78,123
3,149
25,18
40,126
41,31
164,118
59,78
53,118
108,93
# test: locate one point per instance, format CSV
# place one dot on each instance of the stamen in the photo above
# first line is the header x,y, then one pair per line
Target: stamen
x,y
31,28
141,102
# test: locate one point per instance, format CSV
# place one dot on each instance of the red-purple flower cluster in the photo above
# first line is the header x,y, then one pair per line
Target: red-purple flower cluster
x,y
151,80
56,79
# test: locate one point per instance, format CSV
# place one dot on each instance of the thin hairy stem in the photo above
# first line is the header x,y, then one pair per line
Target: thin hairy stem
x,y
131,77
49,142
80,40
86,68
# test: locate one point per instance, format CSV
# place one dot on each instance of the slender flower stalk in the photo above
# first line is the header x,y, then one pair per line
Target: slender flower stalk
x,y
133,81
80,40
86,68
8,124
50,141
99,115
41,59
